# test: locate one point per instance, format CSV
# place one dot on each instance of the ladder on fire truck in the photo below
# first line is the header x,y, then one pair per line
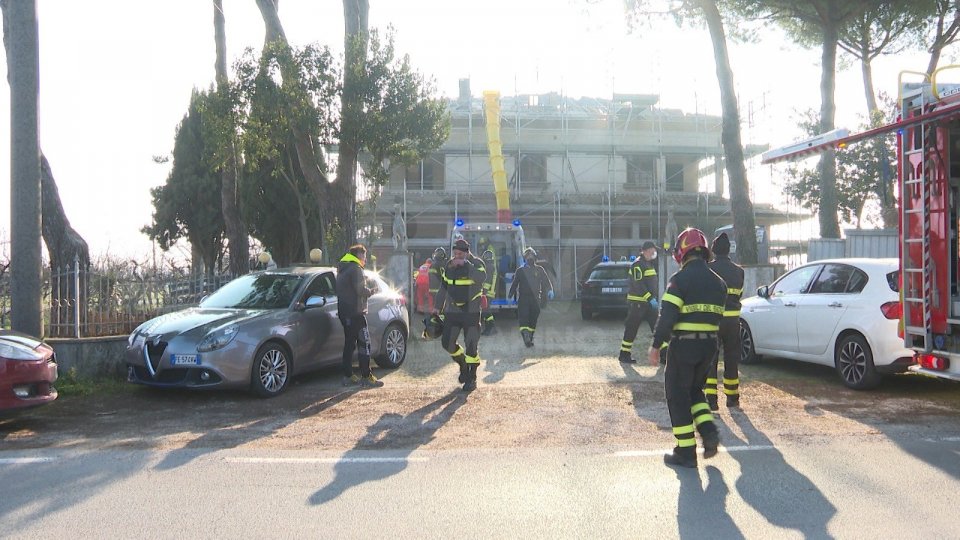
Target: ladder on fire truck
x,y
915,219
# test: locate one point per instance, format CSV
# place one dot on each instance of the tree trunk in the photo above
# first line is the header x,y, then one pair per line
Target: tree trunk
x,y
303,142
66,248
740,205
235,229
829,223
64,244
23,59
888,210
343,211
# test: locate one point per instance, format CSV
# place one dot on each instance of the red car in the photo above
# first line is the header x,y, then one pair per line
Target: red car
x,y
28,370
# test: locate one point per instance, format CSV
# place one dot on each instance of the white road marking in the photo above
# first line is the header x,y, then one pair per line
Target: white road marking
x,y
25,460
271,460
727,449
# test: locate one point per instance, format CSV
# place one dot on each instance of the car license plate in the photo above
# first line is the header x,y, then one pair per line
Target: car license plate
x,y
612,290
185,359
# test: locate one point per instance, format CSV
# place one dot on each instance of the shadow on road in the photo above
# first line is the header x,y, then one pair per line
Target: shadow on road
x,y
702,512
793,501
389,432
228,436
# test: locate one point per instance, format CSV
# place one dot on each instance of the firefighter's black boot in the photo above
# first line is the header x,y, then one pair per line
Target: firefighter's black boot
x,y
682,457
470,384
733,402
712,402
530,343
525,334
711,441
464,369
626,358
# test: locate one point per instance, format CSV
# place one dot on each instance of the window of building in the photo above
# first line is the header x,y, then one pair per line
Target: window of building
x,y
639,172
533,169
674,180
428,174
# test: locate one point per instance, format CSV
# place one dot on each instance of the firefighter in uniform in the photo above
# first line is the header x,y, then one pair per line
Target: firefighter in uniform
x,y
489,289
692,308
533,285
459,300
729,333
642,298
436,275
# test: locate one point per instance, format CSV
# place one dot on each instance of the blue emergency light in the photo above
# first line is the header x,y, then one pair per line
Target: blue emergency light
x,y
605,259
459,222
516,223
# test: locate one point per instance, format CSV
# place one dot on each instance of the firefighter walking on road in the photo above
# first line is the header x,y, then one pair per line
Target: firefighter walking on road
x,y
531,287
459,301
642,298
729,333
692,307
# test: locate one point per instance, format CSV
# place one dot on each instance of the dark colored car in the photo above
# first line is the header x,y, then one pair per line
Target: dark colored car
x,y
605,289
28,370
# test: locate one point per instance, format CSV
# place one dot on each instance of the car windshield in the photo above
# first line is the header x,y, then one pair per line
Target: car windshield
x,y
258,291
610,272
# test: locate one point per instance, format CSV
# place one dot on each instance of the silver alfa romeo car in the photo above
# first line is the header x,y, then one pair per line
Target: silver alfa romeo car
x,y
261,329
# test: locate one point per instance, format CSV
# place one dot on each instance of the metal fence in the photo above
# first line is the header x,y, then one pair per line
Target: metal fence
x,y
109,301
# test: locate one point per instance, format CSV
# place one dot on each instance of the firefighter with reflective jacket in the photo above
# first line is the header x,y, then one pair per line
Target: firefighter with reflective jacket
x,y
459,300
691,309
642,303
489,290
532,287
436,275
729,333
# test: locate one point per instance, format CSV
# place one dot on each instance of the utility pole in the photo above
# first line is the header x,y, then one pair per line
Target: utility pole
x,y
24,73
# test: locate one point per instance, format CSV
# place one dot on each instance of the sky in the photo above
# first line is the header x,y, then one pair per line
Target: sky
x,y
116,77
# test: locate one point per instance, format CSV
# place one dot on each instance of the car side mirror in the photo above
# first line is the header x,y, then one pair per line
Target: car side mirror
x,y
763,291
315,301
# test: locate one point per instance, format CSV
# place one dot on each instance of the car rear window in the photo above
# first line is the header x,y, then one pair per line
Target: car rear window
x,y
610,272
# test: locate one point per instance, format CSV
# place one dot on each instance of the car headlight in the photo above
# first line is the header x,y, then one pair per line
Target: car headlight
x,y
15,351
218,339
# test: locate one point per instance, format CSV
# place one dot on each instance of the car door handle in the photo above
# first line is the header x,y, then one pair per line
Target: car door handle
x,y
789,304
834,304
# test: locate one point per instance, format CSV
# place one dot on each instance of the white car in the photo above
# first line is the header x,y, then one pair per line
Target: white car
x,y
837,312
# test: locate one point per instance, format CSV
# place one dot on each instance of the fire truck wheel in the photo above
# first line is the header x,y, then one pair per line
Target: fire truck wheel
x,y
748,355
854,361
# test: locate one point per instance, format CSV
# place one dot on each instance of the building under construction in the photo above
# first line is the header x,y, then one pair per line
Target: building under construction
x,y
587,178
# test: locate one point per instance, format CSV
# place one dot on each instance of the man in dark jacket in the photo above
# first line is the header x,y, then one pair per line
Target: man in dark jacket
x,y
531,287
691,312
352,295
459,302
729,333
642,298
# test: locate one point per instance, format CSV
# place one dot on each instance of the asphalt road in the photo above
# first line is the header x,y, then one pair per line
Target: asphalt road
x,y
836,488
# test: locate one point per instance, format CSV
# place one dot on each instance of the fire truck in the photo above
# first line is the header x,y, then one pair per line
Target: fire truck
x,y
505,236
507,242
928,148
